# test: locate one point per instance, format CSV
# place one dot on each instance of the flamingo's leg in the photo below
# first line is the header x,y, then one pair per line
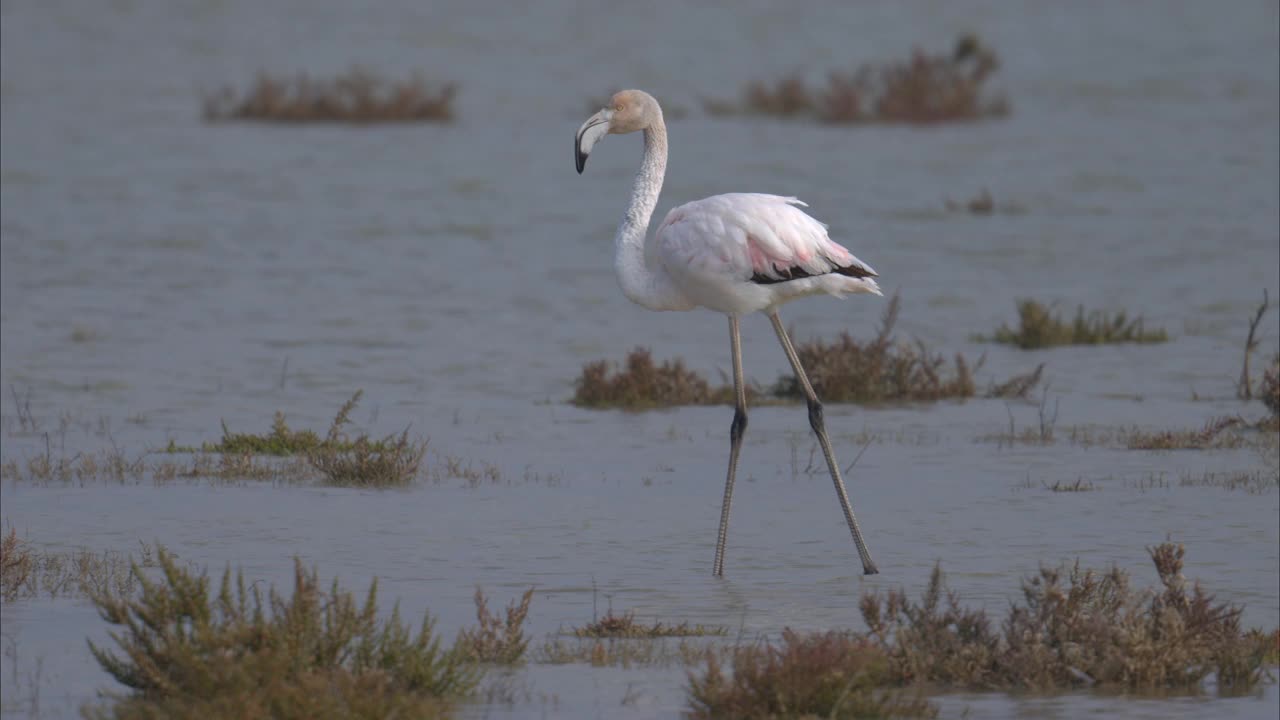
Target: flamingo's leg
x,y
736,431
815,421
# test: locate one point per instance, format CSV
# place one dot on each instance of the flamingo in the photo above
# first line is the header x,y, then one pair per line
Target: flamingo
x,y
735,253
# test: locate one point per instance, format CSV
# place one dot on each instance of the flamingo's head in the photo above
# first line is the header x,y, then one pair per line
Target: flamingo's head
x,y
628,111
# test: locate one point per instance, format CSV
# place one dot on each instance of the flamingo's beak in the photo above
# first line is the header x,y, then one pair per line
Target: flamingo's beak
x,y
596,127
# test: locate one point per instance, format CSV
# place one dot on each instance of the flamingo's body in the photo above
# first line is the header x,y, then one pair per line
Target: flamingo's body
x,y
740,253
735,253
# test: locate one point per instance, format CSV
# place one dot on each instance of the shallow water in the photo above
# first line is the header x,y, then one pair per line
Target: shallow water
x,y
158,275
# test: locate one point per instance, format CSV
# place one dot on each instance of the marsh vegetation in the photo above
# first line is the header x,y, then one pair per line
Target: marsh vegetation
x,y
356,96
184,651
344,461
824,674
498,639
626,626
181,646
924,89
1040,326
27,571
1228,432
626,652
644,385
1270,389
882,370
1073,628
282,454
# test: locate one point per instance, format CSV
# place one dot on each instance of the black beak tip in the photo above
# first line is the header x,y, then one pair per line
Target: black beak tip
x,y
580,160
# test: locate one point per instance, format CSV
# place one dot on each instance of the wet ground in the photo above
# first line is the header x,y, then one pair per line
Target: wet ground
x,y
159,275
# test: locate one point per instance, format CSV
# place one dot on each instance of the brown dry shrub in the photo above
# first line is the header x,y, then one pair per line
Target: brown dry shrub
x,y
788,96
1074,628
497,639
1212,435
17,563
829,675
356,96
882,370
1270,388
925,89
1094,629
936,640
644,384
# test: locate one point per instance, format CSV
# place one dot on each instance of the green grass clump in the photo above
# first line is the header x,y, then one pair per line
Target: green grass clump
x,y
341,459
284,441
280,441
355,97
240,654
626,626
1040,327
828,675
1074,628
343,462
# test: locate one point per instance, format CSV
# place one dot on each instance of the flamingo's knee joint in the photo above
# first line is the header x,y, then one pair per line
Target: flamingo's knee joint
x,y
815,416
739,426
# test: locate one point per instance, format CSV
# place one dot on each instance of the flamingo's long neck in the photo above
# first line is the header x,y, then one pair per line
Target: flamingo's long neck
x,y
639,283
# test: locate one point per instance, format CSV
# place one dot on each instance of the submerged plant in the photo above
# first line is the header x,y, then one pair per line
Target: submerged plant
x,y
625,652
626,626
27,572
243,654
1040,327
1213,435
